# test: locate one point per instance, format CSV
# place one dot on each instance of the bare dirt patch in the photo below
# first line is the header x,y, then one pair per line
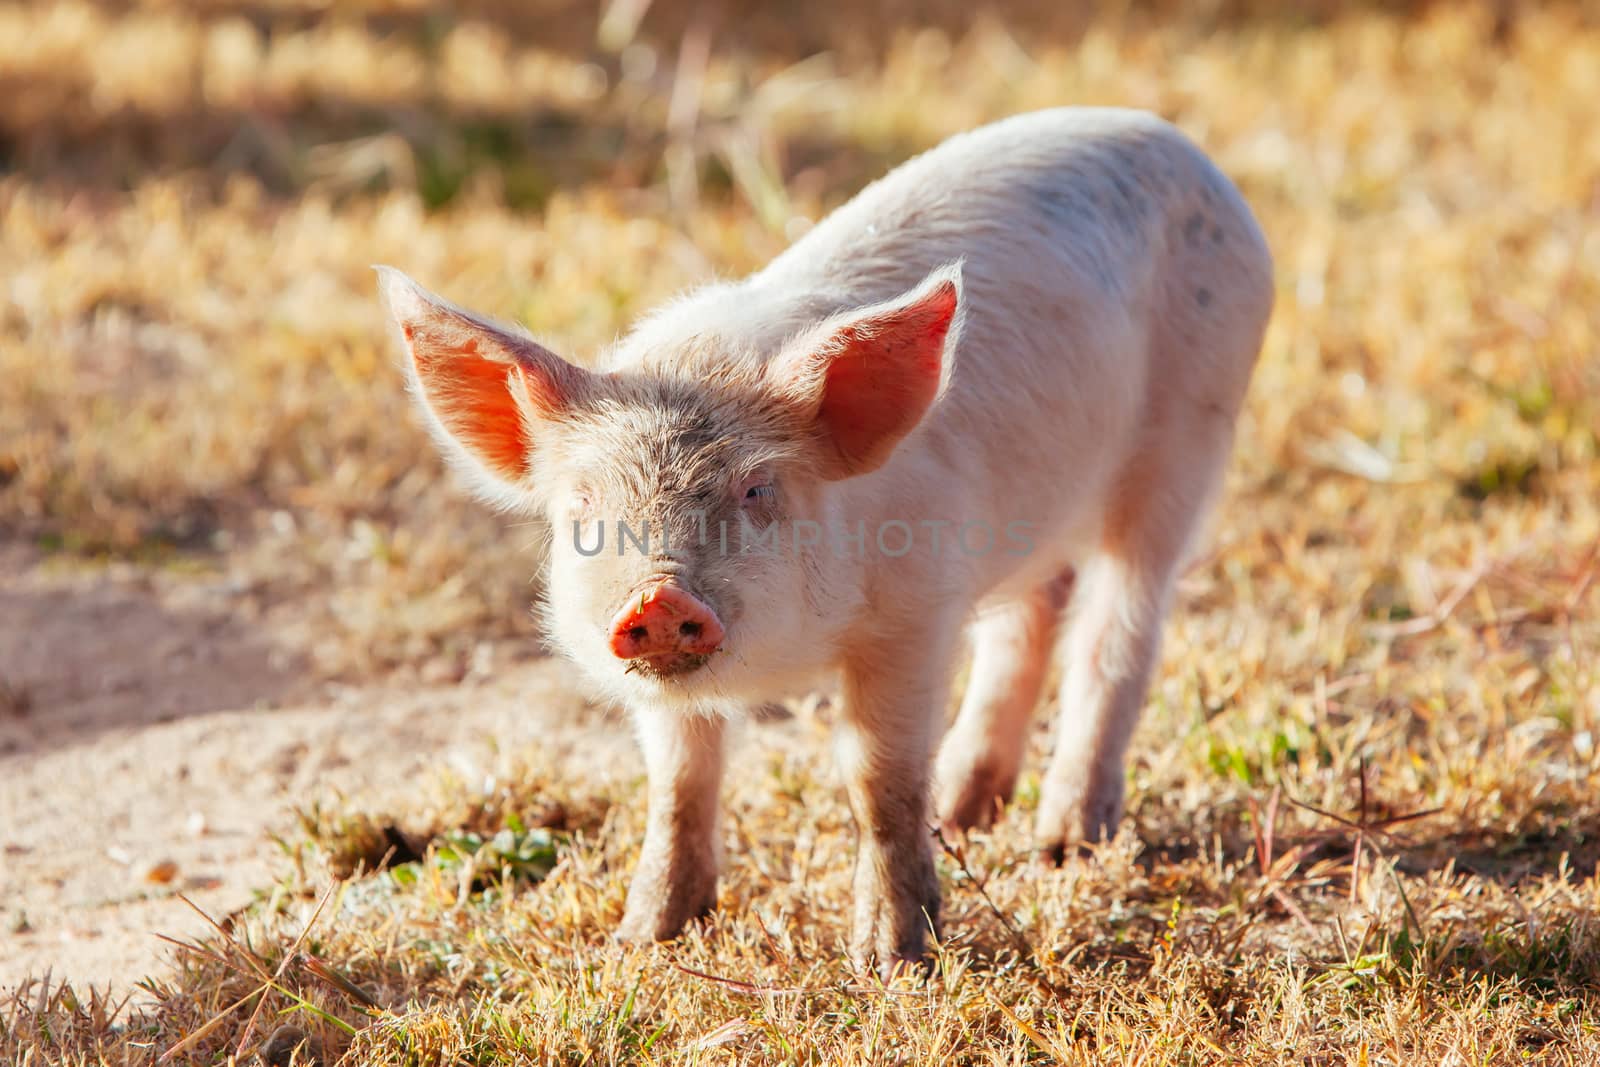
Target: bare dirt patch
x,y
153,741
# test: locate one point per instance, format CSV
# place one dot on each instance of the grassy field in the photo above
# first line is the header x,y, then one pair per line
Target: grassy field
x,y
1364,817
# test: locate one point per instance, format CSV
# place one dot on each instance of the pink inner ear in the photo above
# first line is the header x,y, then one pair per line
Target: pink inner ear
x,y
484,386
882,375
472,396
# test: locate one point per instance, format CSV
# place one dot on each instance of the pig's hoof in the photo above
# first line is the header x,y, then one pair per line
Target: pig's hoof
x,y
974,801
1055,853
1066,826
662,916
917,968
891,940
641,929
893,960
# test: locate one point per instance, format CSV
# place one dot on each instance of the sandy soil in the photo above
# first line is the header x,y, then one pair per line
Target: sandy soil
x,y
152,741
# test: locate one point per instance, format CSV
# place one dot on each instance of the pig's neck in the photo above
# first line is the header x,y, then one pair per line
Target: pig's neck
x,y
743,323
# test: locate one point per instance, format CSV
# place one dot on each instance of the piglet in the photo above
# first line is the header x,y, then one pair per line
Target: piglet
x,y
1002,378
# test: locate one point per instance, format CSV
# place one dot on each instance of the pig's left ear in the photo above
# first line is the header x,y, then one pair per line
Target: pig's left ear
x,y
865,379
487,390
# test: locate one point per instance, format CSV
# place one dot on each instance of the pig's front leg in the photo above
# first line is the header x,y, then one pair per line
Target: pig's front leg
x,y
676,879
891,698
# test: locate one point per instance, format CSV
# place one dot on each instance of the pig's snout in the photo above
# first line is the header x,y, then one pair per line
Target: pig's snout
x,y
668,627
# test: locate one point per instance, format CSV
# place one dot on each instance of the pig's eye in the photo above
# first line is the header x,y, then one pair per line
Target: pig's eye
x,y
757,490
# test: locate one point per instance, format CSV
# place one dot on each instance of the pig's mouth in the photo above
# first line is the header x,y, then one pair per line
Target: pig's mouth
x,y
668,665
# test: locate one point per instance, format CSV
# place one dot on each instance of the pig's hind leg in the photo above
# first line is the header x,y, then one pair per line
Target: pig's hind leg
x,y
982,752
1114,630
1204,344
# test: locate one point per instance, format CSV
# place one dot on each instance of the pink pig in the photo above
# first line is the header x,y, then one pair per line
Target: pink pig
x,y
1002,378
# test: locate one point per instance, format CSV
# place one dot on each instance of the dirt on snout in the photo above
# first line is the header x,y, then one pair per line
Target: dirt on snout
x,y
153,741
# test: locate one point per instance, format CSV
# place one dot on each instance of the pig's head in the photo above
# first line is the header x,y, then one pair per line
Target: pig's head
x,y
658,479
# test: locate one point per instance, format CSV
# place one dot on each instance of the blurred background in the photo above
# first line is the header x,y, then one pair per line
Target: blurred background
x,y
214,494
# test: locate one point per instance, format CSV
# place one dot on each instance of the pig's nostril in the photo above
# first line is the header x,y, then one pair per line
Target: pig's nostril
x,y
690,630
638,633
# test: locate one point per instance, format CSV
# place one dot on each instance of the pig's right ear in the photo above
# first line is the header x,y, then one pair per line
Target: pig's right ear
x,y
484,388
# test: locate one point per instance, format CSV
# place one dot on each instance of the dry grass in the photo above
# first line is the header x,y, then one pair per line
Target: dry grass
x,y
1397,617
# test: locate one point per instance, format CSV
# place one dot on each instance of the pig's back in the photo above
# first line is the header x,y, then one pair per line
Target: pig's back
x,y
1103,253
1053,208
1089,181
